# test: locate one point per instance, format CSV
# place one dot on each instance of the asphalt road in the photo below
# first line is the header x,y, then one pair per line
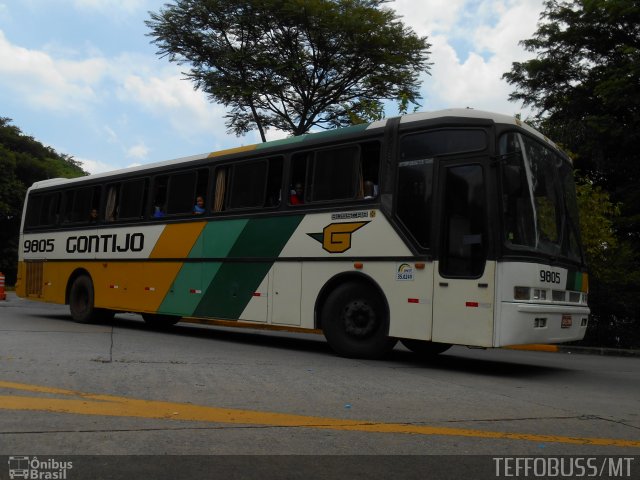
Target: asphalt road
x,y
125,389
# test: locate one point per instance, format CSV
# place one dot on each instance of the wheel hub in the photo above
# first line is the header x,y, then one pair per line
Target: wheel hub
x,y
359,319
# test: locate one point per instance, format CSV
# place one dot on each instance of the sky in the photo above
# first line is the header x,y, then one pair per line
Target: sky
x,y
82,77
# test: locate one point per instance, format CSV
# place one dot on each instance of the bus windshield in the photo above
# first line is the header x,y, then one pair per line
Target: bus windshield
x,y
539,201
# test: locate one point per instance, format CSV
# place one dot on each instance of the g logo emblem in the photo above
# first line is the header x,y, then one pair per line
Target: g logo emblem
x,y
336,237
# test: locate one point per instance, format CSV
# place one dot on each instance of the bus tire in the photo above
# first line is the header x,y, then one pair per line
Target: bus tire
x,y
355,322
158,320
425,348
81,296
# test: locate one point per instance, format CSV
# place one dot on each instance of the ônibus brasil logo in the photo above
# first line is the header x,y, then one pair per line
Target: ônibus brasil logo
x,y
35,469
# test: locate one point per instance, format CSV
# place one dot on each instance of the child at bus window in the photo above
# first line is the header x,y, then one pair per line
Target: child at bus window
x,y
157,212
93,215
198,208
296,197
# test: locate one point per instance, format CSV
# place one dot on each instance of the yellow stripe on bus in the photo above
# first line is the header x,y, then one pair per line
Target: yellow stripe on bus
x,y
246,148
177,240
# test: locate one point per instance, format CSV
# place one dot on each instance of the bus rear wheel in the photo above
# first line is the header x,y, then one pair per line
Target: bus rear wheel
x,y
81,302
355,322
425,348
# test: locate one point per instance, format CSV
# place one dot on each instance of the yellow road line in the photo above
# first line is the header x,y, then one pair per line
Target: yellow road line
x,y
108,405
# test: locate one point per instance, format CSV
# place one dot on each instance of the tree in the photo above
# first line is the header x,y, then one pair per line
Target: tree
x,y
293,64
584,86
23,161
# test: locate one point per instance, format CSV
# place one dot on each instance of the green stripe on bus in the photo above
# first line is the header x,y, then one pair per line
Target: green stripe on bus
x,y
574,280
235,282
215,240
218,238
336,132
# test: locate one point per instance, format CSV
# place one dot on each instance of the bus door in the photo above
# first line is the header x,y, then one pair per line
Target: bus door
x,y
463,279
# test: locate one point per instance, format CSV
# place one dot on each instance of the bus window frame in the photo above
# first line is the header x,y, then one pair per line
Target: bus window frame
x,y
309,156
152,192
434,247
230,173
40,195
63,208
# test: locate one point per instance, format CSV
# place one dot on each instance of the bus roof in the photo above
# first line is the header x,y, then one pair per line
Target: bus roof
x,y
452,113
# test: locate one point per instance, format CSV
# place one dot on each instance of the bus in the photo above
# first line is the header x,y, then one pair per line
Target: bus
x,y
450,227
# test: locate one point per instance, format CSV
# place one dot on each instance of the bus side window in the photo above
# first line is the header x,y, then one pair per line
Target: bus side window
x,y
220,188
132,198
202,183
79,203
43,210
181,193
111,206
176,194
334,174
248,184
159,204
274,183
368,177
34,210
298,178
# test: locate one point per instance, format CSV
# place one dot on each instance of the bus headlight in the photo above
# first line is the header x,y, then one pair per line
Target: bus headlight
x,y
539,294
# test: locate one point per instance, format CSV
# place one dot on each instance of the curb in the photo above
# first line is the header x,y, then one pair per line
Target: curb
x,y
612,352
617,352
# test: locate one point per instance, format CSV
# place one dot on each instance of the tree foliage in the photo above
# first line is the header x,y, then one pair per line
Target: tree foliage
x,y
293,64
23,161
584,85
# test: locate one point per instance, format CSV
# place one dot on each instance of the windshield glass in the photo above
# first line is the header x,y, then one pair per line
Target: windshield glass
x,y
539,198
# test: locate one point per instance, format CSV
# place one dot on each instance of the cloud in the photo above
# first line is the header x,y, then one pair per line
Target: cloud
x,y
430,17
127,6
93,85
170,96
473,44
139,151
44,82
94,166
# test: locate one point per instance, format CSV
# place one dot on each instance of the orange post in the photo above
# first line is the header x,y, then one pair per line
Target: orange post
x,y
3,295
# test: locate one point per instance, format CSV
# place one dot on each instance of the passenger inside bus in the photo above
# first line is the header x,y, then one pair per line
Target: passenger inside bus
x,y
296,196
370,190
157,212
198,208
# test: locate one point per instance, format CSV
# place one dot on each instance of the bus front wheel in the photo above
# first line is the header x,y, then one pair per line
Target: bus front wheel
x,y
425,348
355,322
81,302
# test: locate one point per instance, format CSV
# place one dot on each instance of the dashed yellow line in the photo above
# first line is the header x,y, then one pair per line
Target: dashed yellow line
x,y
108,405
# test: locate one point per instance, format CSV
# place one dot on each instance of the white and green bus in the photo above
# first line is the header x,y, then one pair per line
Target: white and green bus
x,y
448,227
